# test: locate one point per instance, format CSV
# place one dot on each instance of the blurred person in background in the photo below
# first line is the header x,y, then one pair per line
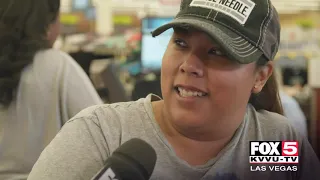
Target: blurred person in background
x,y
291,107
40,87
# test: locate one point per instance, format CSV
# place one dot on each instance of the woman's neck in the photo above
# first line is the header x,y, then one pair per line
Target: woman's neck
x,y
194,148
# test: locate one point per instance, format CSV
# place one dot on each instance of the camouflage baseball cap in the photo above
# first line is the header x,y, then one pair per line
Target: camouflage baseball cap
x,y
245,29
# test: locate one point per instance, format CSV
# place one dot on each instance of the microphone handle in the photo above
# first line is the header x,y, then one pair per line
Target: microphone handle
x,y
106,173
119,167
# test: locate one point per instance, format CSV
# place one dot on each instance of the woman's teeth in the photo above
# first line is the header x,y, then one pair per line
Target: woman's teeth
x,y
188,93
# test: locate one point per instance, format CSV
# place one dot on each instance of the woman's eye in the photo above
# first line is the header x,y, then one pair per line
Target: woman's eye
x,y
180,43
216,52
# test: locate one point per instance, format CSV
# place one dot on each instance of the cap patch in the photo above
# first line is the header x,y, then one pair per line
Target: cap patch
x,y
239,10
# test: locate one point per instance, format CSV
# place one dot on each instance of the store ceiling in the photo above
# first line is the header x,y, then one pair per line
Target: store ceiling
x,y
293,6
283,6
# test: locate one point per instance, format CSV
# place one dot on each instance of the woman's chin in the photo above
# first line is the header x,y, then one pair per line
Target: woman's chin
x,y
188,120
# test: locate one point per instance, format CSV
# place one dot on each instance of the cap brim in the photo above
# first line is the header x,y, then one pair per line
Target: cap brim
x,y
235,47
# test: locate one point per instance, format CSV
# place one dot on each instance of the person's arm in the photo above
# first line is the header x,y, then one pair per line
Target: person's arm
x,y
76,89
77,152
294,113
309,164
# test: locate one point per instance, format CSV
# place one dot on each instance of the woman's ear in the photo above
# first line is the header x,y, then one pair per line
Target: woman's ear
x,y
262,75
53,31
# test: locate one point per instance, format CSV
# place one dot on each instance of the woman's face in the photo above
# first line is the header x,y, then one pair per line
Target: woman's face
x,y
201,87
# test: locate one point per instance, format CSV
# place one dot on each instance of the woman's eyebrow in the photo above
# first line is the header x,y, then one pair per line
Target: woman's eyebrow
x,y
179,30
215,45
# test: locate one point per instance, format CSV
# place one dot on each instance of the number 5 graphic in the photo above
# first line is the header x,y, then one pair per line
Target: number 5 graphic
x,y
290,148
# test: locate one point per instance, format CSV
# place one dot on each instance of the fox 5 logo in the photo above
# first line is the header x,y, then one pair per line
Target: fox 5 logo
x,y
274,148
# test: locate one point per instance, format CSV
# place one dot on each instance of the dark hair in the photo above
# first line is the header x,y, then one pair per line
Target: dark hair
x,y
23,32
268,99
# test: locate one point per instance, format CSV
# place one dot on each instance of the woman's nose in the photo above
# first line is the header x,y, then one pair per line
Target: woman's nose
x,y
192,66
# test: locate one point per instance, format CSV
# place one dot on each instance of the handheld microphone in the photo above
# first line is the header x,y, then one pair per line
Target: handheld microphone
x,y
133,160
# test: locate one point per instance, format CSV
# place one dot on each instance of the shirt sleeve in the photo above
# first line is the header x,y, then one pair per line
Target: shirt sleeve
x,y
77,90
309,164
77,152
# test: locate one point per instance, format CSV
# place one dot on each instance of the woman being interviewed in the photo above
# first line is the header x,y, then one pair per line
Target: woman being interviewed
x,y
218,95
40,87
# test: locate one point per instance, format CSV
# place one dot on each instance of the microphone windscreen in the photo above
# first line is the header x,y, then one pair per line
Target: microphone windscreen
x,y
139,153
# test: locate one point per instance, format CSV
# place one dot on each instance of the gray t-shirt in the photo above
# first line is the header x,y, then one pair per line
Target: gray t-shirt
x,y
53,89
82,146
